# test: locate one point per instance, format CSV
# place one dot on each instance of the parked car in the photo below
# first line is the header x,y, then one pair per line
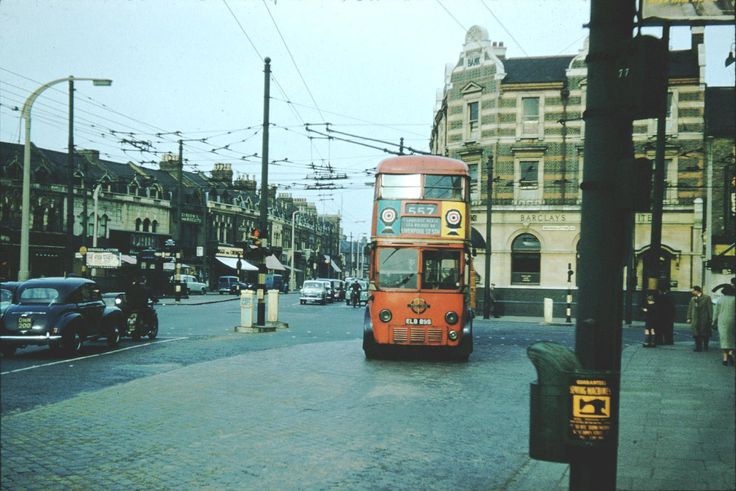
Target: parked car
x,y
313,291
228,284
190,284
61,313
7,294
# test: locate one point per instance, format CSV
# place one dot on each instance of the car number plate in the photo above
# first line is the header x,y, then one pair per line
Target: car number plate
x,y
25,323
414,321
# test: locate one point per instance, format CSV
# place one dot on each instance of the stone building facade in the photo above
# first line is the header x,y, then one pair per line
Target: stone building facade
x,y
518,124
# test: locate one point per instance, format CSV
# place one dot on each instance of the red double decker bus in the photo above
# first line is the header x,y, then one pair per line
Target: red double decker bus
x,y
420,266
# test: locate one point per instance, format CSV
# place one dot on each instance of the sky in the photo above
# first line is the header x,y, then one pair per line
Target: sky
x,y
193,70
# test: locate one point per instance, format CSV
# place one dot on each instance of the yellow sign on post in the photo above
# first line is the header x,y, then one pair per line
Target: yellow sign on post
x,y
591,418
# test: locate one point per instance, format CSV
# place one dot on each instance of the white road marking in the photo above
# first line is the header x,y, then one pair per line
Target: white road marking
x,y
92,356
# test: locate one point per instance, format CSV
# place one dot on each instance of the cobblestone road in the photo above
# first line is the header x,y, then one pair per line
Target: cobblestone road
x,y
319,416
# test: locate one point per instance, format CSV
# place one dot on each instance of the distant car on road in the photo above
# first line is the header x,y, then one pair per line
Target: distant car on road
x,y
61,313
330,290
313,291
190,284
231,285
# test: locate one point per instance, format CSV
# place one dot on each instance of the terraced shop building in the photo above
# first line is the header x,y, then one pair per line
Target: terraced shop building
x,y
527,114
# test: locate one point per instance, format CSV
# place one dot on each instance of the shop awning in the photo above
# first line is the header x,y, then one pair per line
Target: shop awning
x,y
272,262
335,266
128,259
232,262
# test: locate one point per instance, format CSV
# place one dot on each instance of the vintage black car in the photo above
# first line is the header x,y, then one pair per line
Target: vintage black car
x,y
61,313
7,294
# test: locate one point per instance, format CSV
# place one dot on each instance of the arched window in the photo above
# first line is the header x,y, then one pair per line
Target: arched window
x,y
138,223
154,226
525,260
146,225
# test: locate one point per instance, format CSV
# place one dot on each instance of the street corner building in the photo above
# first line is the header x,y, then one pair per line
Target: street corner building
x,y
519,125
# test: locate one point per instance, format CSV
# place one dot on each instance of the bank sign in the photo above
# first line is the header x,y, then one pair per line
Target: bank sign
x,y
442,219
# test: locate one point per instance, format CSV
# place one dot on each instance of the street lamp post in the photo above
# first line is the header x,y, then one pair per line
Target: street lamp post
x,y
292,278
23,270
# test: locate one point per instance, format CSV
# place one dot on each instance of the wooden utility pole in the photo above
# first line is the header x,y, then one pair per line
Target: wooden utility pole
x,y
604,239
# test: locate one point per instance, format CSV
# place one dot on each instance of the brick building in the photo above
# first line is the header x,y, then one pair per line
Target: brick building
x,y
527,115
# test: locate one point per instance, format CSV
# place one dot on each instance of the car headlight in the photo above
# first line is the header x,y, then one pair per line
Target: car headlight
x,y
451,317
118,301
385,315
452,335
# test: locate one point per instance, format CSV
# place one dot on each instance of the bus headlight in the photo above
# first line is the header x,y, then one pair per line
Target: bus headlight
x,y
385,315
451,317
452,335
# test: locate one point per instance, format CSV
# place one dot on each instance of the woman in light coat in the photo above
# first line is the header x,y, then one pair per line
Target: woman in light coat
x,y
725,320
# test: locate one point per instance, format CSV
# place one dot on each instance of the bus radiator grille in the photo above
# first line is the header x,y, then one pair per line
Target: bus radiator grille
x,y
401,335
417,335
434,336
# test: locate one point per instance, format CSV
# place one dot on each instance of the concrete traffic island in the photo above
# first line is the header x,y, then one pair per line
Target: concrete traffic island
x,y
247,313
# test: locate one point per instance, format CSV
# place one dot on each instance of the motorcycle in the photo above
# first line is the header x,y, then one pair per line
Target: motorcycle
x,y
139,323
355,298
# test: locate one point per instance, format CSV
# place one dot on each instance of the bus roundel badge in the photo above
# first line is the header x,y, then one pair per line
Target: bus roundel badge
x,y
388,217
453,220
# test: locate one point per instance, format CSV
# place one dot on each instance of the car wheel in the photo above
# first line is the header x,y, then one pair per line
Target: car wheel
x,y
8,350
204,291
154,331
71,341
113,337
301,302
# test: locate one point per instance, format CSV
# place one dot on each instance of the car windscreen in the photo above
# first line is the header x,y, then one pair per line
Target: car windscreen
x,y
39,295
313,284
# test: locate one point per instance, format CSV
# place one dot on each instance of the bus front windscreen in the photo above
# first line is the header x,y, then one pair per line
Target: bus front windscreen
x,y
441,269
397,267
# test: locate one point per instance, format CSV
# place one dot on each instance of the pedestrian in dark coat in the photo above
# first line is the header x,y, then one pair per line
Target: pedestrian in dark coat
x,y
700,318
665,321
650,320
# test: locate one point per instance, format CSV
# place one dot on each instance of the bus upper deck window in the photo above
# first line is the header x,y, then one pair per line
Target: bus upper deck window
x,y
443,187
401,186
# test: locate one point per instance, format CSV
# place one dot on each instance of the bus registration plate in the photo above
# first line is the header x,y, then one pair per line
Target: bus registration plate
x,y
415,321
